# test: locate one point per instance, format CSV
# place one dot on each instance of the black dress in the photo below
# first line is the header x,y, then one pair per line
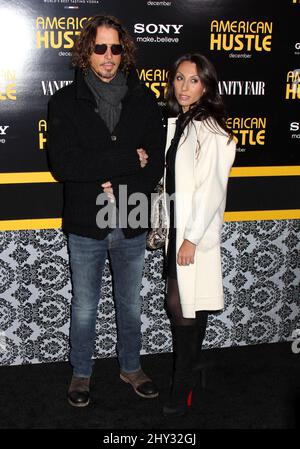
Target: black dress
x,y
171,265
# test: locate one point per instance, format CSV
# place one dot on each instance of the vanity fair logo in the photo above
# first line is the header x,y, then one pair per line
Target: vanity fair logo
x,y
241,87
50,87
157,33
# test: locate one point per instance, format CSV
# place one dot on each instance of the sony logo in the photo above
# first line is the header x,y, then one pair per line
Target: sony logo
x,y
294,126
3,129
153,28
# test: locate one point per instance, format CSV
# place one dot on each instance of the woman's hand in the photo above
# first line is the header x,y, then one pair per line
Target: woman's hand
x,y
186,253
107,188
143,156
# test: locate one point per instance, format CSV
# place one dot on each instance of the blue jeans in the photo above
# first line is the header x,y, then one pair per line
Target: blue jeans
x,y
87,260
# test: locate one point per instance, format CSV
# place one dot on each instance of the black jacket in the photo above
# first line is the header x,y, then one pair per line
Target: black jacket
x,y
83,153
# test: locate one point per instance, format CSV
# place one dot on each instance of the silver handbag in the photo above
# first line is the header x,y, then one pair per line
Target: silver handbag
x,y
156,237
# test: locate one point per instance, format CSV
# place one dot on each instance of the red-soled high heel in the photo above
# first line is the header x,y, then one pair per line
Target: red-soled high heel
x,y
179,403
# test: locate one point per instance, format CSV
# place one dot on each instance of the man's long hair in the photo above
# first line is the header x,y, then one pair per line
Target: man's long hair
x,y
84,44
210,106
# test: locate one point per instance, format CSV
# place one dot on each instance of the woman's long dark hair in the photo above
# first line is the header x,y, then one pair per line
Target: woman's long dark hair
x,y
210,106
84,44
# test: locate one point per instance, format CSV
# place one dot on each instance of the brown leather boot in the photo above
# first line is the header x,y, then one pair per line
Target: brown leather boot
x,y
142,384
79,391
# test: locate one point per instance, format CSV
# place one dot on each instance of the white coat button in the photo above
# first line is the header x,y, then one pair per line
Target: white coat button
x,y
113,138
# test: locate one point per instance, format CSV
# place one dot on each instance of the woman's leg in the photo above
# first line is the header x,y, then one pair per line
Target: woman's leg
x,y
174,307
188,335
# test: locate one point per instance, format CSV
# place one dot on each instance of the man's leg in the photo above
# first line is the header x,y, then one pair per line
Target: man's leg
x,y
87,259
127,258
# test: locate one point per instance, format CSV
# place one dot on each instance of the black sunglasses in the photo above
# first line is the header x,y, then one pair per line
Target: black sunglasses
x,y
100,49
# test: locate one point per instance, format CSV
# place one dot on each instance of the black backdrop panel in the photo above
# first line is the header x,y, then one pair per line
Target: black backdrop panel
x,y
253,44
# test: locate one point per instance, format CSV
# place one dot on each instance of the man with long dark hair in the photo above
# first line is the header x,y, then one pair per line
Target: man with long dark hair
x,y
102,128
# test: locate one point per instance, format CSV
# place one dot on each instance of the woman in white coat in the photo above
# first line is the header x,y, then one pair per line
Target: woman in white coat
x,y
199,156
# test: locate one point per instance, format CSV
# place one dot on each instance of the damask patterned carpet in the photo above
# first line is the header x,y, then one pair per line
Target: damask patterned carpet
x,y
248,387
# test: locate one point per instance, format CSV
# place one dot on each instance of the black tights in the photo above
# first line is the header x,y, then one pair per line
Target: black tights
x,y
175,313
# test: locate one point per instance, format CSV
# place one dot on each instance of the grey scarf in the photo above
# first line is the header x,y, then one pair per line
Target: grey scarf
x,y
108,96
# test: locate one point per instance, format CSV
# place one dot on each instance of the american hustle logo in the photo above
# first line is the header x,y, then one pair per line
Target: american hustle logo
x,y
292,90
58,32
156,80
241,36
248,131
8,86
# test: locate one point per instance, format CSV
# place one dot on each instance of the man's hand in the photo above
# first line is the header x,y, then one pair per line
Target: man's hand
x,y
143,156
186,253
107,188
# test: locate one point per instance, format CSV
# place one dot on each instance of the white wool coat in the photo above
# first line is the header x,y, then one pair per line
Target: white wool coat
x,y
203,162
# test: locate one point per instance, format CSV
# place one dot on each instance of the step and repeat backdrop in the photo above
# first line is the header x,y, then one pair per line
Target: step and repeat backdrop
x,y
255,46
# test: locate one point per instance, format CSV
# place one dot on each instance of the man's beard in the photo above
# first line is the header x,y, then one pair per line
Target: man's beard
x,y
106,74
